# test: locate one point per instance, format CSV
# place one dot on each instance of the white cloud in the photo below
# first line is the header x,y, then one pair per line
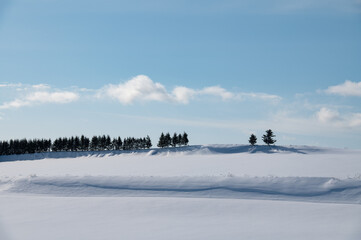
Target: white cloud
x,y
183,94
41,86
52,97
138,89
348,88
335,119
142,88
217,91
355,120
10,85
327,115
260,96
14,104
41,97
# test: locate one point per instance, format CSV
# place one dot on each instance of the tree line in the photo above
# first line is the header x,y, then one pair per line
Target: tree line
x,y
165,140
73,144
103,143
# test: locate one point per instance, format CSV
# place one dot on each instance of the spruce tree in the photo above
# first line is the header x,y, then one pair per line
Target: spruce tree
x,y
114,144
119,143
161,142
185,140
77,145
268,138
94,143
108,143
83,143
167,140
148,142
179,140
174,140
252,139
143,143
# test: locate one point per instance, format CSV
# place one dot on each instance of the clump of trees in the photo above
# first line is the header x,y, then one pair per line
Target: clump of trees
x,y
136,143
73,144
165,140
24,146
100,143
267,138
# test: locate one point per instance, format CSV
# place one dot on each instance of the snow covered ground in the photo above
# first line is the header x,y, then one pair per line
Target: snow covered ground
x,y
197,192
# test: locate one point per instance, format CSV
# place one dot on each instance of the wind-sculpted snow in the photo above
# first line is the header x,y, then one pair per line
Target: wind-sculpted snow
x,y
194,192
278,188
187,150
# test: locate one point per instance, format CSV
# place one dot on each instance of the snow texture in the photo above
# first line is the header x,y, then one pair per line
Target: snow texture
x,y
196,192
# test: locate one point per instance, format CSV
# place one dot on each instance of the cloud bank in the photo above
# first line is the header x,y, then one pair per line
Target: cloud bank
x,y
334,118
39,94
141,88
326,115
138,89
348,88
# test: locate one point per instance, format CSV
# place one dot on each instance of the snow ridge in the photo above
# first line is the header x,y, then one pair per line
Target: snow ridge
x,y
313,189
186,150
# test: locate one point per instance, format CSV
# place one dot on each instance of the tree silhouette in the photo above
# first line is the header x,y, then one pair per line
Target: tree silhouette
x,y
268,138
252,139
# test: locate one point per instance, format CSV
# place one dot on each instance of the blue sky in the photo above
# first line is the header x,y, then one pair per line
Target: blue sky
x,y
219,70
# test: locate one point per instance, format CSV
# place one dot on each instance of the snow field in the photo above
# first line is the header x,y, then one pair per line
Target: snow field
x,y
43,217
198,192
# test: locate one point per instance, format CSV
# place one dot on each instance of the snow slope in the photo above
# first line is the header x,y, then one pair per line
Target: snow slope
x,y
211,160
197,192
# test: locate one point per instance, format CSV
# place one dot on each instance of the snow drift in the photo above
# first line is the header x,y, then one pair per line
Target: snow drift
x,y
195,192
187,150
288,188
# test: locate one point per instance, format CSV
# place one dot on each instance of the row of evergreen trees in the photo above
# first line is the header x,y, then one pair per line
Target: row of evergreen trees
x,y
100,143
74,144
165,140
25,146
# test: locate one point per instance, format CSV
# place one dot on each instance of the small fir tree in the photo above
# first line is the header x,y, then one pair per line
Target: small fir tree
x,y
268,138
179,140
185,140
148,142
175,140
108,143
252,139
168,140
161,142
94,143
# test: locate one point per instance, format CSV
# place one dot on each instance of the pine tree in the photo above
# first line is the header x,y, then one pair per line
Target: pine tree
x,y
167,140
161,142
108,143
148,142
252,139
119,143
84,143
175,140
77,145
143,143
185,140
94,143
179,139
115,144
268,137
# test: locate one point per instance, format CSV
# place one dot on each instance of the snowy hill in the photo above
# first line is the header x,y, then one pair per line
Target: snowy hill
x,y
193,192
196,149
